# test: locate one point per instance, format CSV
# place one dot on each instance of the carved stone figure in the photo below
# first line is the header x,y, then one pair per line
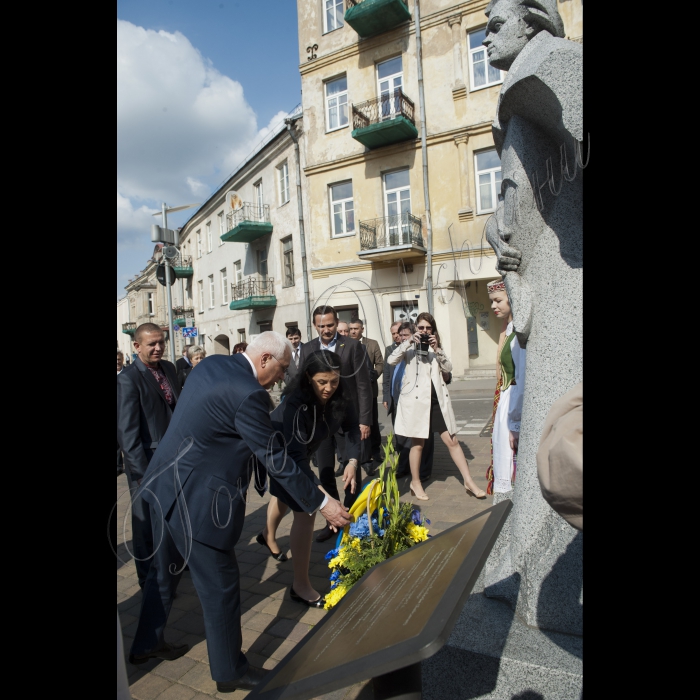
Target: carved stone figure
x,y
537,234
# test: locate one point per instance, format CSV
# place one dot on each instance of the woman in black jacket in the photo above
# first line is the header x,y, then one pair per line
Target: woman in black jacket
x,y
313,406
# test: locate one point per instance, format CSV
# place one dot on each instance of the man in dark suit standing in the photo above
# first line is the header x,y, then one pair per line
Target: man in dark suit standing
x,y
184,361
386,379
294,337
120,457
375,364
354,375
199,477
147,392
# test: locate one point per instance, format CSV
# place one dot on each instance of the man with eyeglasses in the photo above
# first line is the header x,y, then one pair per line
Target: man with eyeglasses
x,y
220,437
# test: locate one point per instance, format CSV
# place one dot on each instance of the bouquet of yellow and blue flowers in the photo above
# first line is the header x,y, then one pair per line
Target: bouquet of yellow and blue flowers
x,y
382,527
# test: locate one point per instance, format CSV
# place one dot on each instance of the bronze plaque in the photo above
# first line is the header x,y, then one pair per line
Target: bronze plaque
x,y
400,612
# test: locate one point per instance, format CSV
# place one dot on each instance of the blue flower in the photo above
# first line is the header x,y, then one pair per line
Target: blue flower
x,y
427,522
331,555
416,517
335,575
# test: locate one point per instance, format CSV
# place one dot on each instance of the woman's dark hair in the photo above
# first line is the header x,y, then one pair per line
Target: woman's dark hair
x,y
316,362
425,315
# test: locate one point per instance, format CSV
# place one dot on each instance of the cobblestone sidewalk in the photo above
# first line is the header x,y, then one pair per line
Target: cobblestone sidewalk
x,y
272,623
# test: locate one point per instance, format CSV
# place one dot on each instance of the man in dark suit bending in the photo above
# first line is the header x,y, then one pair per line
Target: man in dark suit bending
x,y
147,393
354,374
198,479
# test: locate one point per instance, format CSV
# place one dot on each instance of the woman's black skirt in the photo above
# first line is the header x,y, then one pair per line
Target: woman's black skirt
x,y
437,420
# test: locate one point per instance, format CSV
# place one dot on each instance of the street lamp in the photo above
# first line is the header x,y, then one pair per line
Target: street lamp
x,y
167,236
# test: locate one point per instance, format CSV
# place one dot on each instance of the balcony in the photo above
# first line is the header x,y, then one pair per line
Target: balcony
x,y
370,17
392,237
129,328
247,224
182,267
253,293
180,316
384,120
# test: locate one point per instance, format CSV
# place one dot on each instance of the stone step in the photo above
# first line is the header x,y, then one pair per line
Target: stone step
x,y
480,372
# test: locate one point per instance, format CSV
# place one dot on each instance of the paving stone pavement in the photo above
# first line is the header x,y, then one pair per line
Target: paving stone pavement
x,y
272,623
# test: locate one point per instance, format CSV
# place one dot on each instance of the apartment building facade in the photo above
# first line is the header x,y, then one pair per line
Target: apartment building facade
x,y
364,169
244,243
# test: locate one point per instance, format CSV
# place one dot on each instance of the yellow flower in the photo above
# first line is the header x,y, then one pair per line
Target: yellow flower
x,y
417,533
332,597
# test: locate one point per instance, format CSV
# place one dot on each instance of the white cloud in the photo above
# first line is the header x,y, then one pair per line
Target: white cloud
x,y
182,127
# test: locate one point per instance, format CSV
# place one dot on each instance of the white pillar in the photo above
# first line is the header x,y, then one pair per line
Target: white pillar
x,y
462,154
455,23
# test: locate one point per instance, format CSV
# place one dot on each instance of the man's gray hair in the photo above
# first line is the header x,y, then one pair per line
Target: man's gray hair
x,y
194,350
270,341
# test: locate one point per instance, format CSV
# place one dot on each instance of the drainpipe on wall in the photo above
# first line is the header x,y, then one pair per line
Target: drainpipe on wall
x,y
424,151
302,238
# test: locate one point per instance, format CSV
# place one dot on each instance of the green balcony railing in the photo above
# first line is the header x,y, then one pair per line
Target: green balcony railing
x,y
370,17
182,267
253,293
129,328
385,120
247,224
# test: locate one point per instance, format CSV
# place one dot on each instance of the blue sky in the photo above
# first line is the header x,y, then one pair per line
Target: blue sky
x,y
199,83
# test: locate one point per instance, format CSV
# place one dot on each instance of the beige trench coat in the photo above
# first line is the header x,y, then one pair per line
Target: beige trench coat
x,y
413,415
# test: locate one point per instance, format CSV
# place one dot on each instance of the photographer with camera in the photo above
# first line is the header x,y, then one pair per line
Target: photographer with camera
x,y
424,393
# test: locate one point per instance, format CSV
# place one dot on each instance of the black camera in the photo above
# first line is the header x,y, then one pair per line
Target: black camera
x,y
424,344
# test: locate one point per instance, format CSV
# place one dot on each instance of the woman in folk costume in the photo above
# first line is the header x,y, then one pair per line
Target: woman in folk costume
x,y
425,405
508,401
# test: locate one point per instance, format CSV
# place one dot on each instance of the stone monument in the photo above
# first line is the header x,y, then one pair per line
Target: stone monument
x,y
537,234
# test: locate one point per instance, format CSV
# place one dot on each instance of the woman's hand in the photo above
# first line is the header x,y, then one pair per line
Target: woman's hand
x,y
514,439
416,338
349,475
433,342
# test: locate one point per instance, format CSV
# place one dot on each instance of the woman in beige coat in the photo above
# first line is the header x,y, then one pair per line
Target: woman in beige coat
x,y
425,405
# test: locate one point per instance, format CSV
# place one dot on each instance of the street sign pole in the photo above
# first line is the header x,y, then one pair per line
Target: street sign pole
x,y
169,293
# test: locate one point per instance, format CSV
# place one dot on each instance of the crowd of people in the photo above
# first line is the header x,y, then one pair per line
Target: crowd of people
x,y
195,436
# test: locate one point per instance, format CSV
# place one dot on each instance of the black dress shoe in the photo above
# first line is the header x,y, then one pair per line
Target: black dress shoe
x,y
369,468
168,652
325,534
318,603
280,556
340,470
252,679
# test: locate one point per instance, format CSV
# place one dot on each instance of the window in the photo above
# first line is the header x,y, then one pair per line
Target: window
x,y
241,335
343,210
199,243
222,227
337,103
200,289
224,286
237,272
389,80
265,326
262,263
288,261
209,241
211,291
284,182
188,291
257,187
397,202
333,15
151,304
482,74
488,181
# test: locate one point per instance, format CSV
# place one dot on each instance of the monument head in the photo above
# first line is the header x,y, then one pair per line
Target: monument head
x,y
512,23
